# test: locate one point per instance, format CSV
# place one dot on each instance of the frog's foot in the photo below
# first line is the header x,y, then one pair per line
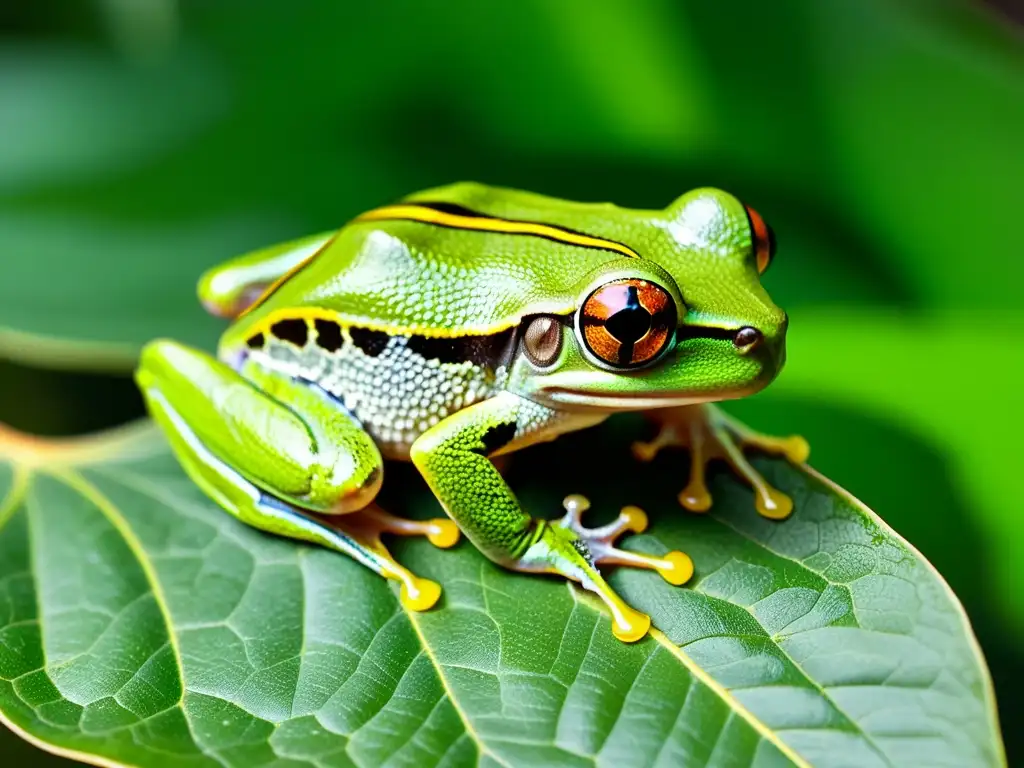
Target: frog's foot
x,y
567,548
711,434
674,567
365,528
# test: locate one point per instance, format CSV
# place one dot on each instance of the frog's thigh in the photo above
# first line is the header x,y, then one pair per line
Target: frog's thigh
x,y
229,437
307,453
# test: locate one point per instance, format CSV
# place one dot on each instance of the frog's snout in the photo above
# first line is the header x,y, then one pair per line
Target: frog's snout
x,y
767,344
775,343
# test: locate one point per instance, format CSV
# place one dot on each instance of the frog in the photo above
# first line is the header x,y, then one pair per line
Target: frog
x,y
457,325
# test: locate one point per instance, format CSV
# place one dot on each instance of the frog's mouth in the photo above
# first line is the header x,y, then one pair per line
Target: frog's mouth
x,y
580,399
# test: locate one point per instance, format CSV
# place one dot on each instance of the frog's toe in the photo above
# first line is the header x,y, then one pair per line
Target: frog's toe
x,y
442,532
418,594
768,501
712,435
631,626
695,496
667,437
364,529
675,567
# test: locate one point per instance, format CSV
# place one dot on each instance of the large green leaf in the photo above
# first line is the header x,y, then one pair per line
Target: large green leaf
x,y
140,624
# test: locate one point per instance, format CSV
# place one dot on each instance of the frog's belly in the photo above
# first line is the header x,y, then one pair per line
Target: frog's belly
x,y
396,394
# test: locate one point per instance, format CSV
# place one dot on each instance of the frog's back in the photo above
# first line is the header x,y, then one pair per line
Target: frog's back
x,y
460,260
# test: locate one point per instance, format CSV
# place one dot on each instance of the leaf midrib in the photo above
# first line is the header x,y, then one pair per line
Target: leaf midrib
x,y
449,694
709,682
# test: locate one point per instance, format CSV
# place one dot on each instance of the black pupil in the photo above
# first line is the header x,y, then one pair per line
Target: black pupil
x,y
630,323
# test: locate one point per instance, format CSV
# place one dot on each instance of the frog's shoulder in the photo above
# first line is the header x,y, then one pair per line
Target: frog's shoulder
x,y
465,259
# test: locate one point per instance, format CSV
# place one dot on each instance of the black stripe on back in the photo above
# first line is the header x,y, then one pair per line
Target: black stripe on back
x,y
457,210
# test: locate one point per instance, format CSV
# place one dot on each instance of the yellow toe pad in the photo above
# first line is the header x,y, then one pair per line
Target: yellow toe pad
x,y
419,594
443,533
630,625
678,568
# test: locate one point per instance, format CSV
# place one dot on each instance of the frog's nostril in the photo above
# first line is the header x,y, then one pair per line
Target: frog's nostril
x,y
747,337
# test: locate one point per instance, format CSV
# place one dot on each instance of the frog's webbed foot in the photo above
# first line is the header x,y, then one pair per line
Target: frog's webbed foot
x,y
568,548
674,567
711,434
365,527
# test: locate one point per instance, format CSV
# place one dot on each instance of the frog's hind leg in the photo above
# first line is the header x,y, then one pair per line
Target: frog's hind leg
x,y
711,434
276,471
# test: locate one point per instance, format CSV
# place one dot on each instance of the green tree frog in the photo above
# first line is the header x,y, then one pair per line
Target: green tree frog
x,y
459,324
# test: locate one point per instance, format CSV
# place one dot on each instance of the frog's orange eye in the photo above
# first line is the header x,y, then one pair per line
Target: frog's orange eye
x,y
627,323
763,238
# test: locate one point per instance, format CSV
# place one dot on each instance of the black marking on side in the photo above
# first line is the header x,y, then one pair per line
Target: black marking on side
x,y
457,210
371,342
256,342
328,335
484,351
498,437
293,330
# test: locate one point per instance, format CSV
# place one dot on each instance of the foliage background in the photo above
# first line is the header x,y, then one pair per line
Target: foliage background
x,y
144,140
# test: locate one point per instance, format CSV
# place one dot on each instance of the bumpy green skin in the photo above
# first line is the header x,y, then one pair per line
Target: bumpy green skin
x,y
283,410
453,457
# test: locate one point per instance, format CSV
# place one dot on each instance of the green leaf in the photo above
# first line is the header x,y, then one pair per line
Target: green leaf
x,y
142,625
852,365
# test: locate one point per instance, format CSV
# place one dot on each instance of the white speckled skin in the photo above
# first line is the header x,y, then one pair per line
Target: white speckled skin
x,y
396,395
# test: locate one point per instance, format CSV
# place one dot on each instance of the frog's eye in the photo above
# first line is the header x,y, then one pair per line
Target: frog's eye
x,y
763,238
627,323
542,340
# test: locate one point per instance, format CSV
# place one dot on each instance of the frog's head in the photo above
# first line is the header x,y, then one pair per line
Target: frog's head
x,y
688,323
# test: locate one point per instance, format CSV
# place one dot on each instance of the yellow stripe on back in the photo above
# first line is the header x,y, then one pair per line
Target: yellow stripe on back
x,y
427,215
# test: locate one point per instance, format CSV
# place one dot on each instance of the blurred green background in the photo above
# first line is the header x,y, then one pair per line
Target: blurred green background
x,y
142,141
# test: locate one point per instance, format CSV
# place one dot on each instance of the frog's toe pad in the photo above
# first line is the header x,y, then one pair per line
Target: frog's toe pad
x,y
773,504
796,449
442,532
629,625
695,498
419,594
676,568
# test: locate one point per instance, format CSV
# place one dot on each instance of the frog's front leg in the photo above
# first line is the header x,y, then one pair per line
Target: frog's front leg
x,y
712,434
283,469
453,457
231,288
